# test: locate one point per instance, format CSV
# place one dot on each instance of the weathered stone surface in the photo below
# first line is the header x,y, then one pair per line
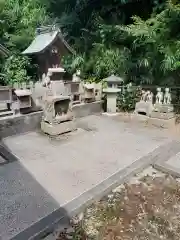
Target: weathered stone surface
x,y
71,171
10,126
111,94
144,107
83,162
2,160
175,161
170,165
58,129
161,115
23,201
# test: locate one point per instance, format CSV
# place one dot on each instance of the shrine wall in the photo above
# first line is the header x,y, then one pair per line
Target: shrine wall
x,y
15,125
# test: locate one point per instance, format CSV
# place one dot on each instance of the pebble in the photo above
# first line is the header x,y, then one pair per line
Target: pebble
x,y
110,196
118,189
81,216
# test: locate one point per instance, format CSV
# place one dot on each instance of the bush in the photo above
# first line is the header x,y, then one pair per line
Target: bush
x,y
15,70
127,98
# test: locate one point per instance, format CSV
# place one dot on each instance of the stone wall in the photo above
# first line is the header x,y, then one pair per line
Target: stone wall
x,y
13,125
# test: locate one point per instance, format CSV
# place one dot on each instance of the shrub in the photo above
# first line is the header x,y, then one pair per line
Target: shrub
x,y
127,98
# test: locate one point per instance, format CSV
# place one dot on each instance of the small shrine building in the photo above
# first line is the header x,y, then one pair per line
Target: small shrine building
x,y
48,48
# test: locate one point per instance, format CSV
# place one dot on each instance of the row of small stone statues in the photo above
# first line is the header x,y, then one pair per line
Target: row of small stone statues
x,y
161,97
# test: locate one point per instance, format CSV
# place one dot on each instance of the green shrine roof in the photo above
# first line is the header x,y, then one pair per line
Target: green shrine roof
x,y
43,40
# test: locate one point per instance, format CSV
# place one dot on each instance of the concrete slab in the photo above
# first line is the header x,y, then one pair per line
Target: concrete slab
x,y
170,166
2,160
81,163
88,164
161,121
23,203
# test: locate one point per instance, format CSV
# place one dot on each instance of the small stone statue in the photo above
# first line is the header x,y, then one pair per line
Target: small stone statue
x,y
78,72
167,97
143,95
149,97
76,76
159,96
46,79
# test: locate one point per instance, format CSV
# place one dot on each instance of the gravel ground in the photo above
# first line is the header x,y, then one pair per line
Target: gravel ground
x,y
145,208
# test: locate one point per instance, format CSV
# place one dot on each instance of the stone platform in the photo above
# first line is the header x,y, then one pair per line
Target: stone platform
x,y
162,120
170,166
58,129
69,172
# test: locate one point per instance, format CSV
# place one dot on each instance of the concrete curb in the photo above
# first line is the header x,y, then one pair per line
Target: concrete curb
x,y
6,154
152,121
166,168
60,218
162,166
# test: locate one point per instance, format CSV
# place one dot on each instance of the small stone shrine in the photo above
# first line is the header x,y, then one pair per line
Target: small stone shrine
x,y
89,92
5,101
23,98
57,110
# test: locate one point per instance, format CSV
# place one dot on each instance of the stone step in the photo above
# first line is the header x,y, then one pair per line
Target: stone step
x,y
6,113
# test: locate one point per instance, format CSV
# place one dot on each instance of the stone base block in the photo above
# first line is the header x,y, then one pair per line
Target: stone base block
x,y
58,129
163,108
144,107
160,115
163,123
152,121
110,114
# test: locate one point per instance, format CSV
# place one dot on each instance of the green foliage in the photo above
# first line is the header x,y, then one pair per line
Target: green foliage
x,y
73,62
104,61
155,44
145,51
15,70
128,98
108,39
18,21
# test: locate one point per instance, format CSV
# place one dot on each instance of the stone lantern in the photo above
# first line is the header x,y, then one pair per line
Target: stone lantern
x,y
114,84
114,81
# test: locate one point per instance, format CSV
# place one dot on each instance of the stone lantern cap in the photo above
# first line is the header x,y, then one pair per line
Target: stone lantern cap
x,y
22,92
111,90
113,79
56,70
89,86
54,99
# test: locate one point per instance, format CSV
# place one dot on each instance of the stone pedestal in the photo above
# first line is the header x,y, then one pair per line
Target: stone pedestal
x,y
163,108
89,95
111,94
57,129
161,115
163,111
167,108
144,107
